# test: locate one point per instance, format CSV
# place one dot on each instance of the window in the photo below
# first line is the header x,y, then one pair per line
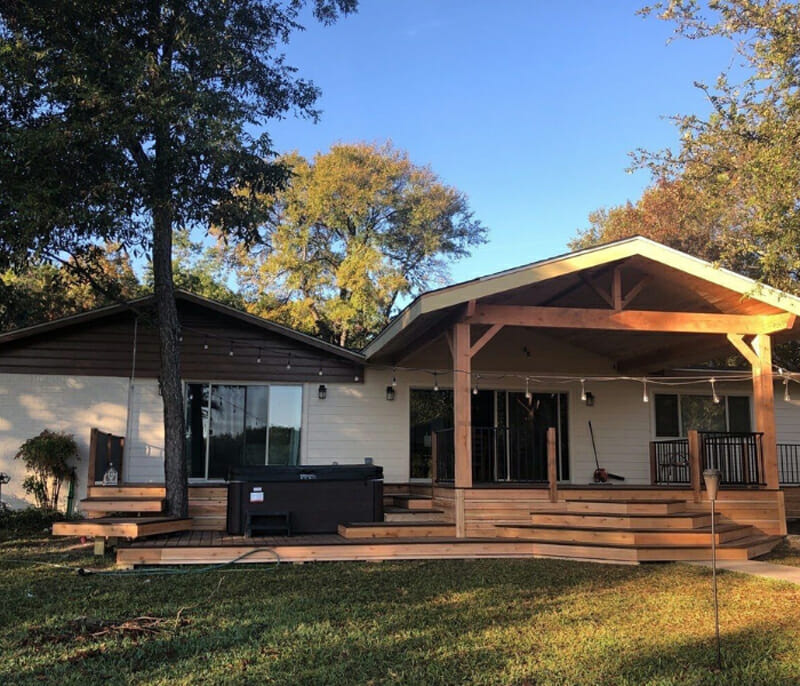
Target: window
x,y
232,425
677,414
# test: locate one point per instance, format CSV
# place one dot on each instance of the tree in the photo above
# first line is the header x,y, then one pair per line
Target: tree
x,y
739,166
44,291
121,120
47,457
356,230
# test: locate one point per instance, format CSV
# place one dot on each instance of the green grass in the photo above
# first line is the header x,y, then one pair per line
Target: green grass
x,y
433,622
787,553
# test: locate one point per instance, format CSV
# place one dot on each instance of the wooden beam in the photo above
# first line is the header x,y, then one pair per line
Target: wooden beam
x,y
616,288
462,405
764,411
605,296
470,308
483,340
630,320
695,466
633,292
738,342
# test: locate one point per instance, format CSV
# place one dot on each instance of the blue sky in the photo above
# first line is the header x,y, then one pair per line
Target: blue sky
x,y
529,107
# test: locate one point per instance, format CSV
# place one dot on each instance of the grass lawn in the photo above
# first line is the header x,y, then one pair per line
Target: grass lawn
x,y
439,622
787,553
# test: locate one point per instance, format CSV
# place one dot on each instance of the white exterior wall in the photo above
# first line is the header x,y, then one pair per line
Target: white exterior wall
x,y
353,422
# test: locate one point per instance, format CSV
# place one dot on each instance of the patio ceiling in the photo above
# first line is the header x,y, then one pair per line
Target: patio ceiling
x,y
651,279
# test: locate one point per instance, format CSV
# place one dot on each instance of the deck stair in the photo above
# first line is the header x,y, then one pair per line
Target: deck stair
x,y
411,509
635,531
125,511
355,530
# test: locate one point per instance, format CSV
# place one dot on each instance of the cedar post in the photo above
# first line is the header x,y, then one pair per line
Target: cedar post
x,y
695,467
653,464
462,373
764,397
552,469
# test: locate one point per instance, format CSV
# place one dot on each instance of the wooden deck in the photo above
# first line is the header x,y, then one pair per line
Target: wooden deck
x,y
213,547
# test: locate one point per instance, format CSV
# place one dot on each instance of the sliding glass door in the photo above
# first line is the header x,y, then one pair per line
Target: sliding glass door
x,y
232,425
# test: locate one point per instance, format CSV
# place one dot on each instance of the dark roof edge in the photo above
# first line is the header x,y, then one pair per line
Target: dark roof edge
x,y
109,310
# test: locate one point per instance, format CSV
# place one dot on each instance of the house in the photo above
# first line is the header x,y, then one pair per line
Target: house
x,y
476,400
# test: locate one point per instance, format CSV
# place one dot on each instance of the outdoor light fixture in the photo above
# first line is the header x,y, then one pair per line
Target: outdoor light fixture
x,y
714,395
712,478
322,391
583,390
435,382
645,397
390,392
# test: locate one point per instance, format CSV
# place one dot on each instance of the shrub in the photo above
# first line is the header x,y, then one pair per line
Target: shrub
x,y
46,457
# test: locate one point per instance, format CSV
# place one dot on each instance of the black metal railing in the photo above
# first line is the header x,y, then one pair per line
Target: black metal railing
x,y
789,464
739,456
445,454
499,453
669,462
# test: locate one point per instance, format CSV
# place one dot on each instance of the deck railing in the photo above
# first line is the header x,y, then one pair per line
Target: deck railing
x,y
669,462
789,464
499,453
739,456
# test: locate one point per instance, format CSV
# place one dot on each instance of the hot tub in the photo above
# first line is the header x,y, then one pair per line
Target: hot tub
x,y
305,499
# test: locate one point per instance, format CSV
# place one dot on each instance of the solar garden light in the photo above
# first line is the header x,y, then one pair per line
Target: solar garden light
x,y
712,477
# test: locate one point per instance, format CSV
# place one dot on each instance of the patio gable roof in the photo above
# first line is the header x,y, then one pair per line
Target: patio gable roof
x,y
627,289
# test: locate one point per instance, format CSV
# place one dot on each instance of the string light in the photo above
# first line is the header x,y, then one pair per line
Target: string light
x,y
258,359
205,344
786,395
435,382
230,352
527,389
645,397
714,395
583,390
289,363
319,373
475,387
394,377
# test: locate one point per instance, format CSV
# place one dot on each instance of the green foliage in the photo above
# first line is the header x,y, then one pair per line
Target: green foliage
x,y
736,170
356,229
31,520
47,457
437,623
44,291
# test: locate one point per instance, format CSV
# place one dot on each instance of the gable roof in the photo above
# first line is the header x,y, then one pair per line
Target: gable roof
x,y
111,310
435,302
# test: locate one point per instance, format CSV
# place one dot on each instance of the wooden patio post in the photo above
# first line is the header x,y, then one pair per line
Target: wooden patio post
x,y
462,415
462,408
695,466
552,468
764,397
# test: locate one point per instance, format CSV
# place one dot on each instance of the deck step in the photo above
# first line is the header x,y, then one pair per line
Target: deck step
x,y
743,549
122,527
607,520
725,533
402,514
122,504
652,507
354,530
412,501
127,491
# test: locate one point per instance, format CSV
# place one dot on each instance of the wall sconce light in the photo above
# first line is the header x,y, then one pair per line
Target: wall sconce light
x,y
390,392
322,391
589,399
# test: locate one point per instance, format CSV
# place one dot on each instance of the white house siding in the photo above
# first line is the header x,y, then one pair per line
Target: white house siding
x,y
30,403
144,445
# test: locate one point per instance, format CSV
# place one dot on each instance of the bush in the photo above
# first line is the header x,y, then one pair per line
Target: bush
x,y
28,521
47,457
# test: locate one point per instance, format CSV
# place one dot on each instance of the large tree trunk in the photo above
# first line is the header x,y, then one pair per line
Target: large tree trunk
x,y
175,474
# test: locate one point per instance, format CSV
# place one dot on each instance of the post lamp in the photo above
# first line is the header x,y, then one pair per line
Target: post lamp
x,y
712,478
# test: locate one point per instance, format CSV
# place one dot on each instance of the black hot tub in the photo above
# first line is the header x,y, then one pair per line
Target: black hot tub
x,y
305,499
